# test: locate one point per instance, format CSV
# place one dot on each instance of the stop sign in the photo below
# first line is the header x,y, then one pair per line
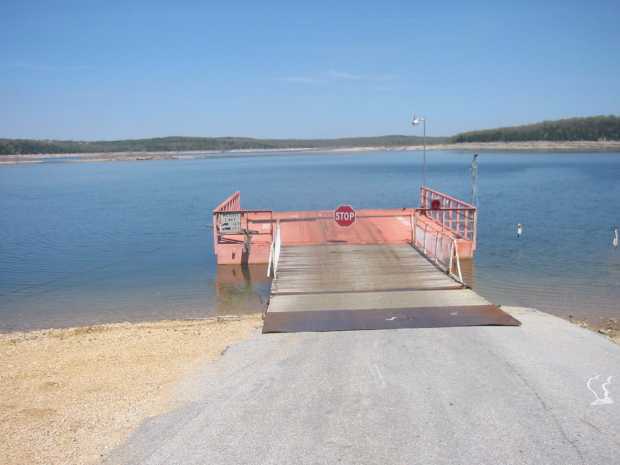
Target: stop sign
x,y
344,215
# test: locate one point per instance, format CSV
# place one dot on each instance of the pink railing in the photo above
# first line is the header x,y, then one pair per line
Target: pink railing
x,y
230,222
453,214
232,203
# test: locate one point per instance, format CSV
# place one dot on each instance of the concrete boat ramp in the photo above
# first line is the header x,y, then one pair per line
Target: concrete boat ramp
x,y
532,394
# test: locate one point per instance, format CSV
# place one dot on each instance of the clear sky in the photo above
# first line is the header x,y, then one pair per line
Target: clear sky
x,y
111,70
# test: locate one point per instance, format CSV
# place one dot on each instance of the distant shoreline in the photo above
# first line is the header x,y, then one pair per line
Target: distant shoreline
x,y
526,146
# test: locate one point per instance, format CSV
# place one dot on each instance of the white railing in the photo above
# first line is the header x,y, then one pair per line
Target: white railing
x,y
454,258
438,246
274,252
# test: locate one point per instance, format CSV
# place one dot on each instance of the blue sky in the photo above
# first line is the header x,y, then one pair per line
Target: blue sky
x,y
112,70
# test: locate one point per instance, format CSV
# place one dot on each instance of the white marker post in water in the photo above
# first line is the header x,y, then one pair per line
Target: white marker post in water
x,y
519,230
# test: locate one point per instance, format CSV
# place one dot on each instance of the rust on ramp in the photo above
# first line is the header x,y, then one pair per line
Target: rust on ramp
x,y
386,318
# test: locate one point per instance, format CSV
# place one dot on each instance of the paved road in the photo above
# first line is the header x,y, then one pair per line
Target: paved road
x,y
481,395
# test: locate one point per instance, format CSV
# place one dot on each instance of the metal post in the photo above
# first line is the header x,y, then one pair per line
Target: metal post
x,y
417,120
424,142
465,227
474,181
475,229
215,232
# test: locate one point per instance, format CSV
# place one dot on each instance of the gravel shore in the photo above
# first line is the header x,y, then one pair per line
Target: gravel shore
x,y
68,396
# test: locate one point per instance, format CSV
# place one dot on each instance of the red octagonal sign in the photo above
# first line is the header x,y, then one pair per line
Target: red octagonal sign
x,y
344,215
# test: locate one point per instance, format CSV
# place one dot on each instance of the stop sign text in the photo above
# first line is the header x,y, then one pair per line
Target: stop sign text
x,y
344,215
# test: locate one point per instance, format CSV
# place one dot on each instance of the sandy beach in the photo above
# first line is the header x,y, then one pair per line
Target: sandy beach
x,y
68,396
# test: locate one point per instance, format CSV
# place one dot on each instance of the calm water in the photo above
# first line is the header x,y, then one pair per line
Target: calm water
x,y
85,243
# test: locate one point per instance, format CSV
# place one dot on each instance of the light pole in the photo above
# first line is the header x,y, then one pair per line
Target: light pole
x,y
415,121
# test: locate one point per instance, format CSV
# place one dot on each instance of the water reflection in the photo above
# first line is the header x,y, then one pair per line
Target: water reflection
x,y
241,289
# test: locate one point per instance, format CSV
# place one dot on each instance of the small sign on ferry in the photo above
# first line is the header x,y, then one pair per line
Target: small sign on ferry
x,y
344,215
230,223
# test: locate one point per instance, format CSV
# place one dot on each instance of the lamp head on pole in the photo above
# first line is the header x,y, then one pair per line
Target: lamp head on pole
x,y
416,120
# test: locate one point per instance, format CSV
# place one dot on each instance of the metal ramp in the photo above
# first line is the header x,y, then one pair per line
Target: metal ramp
x,y
339,287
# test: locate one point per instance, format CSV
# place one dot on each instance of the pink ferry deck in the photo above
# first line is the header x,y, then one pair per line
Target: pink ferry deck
x,y
245,236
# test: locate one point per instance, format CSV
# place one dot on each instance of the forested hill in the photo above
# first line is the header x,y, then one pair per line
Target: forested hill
x,y
595,128
176,144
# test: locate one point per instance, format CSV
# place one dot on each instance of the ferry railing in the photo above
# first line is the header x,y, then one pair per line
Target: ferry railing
x,y
274,252
438,246
455,260
457,216
232,202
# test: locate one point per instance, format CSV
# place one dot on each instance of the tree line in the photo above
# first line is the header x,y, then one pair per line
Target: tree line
x,y
595,128
182,144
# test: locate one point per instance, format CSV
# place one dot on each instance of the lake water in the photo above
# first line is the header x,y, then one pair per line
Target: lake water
x,y
84,243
